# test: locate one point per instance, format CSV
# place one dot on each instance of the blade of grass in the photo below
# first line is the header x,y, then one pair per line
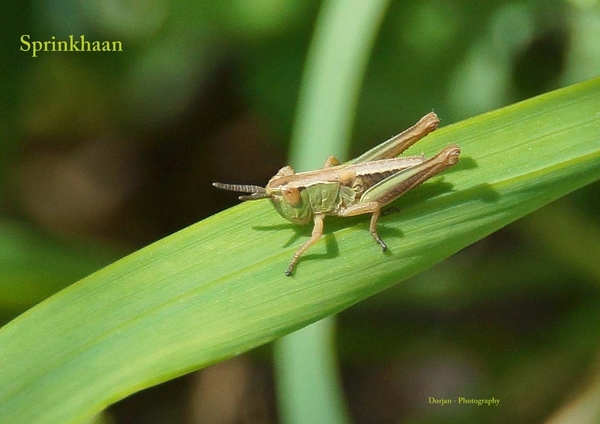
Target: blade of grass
x,y
334,70
308,385
217,288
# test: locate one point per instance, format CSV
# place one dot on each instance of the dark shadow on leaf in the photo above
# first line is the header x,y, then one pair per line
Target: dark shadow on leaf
x,y
484,192
331,250
362,224
390,210
277,227
465,163
428,190
297,231
386,233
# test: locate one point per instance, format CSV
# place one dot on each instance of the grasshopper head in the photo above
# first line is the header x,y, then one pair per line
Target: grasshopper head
x,y
289,200
291,203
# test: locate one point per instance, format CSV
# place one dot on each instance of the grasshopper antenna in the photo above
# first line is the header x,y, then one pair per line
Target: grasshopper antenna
x,y
256,192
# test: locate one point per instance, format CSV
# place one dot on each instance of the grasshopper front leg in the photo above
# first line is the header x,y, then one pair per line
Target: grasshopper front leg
x,y
397,184
317,232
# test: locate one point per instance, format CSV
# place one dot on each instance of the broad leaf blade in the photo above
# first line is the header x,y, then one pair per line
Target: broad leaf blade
x,y
218,288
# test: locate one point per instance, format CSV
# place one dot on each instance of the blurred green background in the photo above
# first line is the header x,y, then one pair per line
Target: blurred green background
x,y
104,152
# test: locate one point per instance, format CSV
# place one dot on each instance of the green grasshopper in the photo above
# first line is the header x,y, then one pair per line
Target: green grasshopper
x,y
362,185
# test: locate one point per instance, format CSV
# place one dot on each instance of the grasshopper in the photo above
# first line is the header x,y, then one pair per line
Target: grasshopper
x,y
362,185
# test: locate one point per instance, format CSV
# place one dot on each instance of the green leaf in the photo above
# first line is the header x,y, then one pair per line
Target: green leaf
x,y
217,288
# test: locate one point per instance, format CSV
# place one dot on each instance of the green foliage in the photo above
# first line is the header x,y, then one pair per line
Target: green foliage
x,y
33,266
217,288
196,74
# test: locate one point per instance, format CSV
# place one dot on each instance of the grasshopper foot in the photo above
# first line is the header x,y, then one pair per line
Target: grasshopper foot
x,y
380,242
291,267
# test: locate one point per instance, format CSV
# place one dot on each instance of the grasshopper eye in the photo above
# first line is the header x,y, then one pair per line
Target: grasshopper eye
x,y
291,195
